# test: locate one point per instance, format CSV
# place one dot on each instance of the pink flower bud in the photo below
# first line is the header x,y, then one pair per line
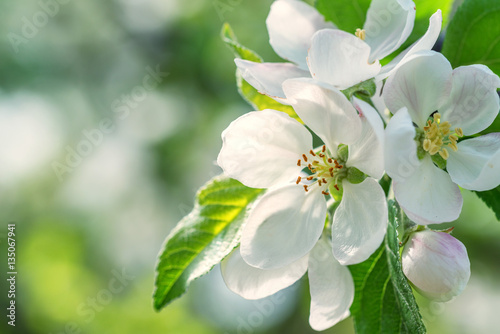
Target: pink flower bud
x,y
436,264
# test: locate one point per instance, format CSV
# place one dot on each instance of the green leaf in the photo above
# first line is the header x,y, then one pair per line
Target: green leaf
x,y
473,35
366,88
383,301
203,238
257,100
348,15
492,199
239,50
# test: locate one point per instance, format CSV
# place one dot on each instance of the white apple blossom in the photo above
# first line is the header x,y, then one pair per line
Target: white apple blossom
x,y
330,284
297,31
436,264
434,106
269,149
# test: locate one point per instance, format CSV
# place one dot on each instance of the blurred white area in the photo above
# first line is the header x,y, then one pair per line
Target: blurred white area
x,y
145,220
31,135
149,15
127,70
476,309
107,175
155,118
214,301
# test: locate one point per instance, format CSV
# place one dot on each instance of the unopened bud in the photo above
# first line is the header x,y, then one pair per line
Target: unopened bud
x,y
436,264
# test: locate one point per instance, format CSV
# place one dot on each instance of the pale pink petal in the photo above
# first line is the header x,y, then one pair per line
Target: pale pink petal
x,y
437,264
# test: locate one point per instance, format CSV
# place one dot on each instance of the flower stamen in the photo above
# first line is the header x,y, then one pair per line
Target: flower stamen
x,y
325,171
361,34
438,137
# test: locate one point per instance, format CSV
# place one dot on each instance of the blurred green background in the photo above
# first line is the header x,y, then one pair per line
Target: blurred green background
x,y
89,227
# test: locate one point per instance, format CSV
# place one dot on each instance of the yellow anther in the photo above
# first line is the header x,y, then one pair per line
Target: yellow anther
x,y
444,154
438,136
434,149
361,34
445,127
427,144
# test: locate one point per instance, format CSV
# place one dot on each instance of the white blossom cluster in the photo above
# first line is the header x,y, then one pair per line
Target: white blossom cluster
x,y
417,128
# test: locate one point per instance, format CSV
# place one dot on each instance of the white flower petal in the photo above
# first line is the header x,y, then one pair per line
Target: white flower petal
x,y
473,102
283,226
400,152
476,164
420,85
429,196
291,25
267,78
331,287
425,43
253,283
340,59
261,149
325,110
360,221
388,24
367,153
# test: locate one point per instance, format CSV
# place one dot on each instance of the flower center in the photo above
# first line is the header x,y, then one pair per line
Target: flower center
x,y
325,170
361,34
438,137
